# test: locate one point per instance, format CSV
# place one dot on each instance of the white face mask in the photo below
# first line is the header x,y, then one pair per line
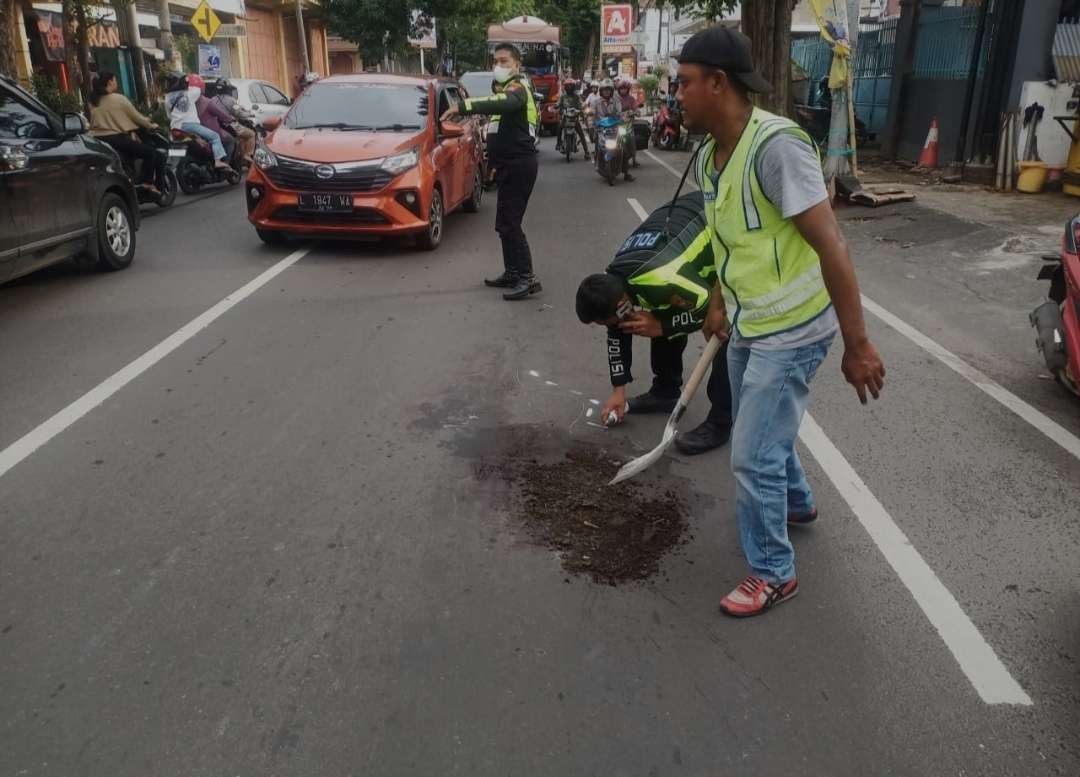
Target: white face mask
x,y
503,74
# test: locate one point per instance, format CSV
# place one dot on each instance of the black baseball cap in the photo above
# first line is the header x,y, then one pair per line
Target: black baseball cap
x,y
727,49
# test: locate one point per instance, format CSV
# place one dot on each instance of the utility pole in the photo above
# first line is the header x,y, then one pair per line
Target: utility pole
x,y
302,35
165,39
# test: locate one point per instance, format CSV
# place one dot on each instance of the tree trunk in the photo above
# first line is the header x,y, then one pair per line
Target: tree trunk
x,y
7,37
82,48
590,48
768,25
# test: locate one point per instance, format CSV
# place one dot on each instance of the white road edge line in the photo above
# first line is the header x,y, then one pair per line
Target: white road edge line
x,y
980,380
666,166
977,660
47,430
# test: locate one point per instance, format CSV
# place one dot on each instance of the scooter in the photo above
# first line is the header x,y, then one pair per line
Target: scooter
x,y
165,181
667,127
610,148
569,139
196,168
1057,321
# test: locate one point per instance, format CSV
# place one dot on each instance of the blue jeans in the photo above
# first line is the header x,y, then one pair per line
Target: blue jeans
x,y
208,135
769,391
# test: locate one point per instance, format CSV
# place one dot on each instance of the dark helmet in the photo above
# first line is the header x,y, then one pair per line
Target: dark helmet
x,y
176,82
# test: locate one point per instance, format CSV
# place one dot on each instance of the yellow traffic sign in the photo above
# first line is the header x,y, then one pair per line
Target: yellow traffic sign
x,y
205,21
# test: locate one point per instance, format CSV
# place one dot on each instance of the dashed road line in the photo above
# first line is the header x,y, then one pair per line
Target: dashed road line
x,y
22,448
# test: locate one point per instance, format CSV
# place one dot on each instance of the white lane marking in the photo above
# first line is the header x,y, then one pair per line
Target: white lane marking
x,y
976,658
638,209
588,413
45,431
595,401
666,166
534,373
550,383
980,380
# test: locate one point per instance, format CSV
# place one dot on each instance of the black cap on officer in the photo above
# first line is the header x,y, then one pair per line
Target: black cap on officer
x,y
728,50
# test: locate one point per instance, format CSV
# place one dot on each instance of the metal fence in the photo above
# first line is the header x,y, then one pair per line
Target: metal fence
x,y
946,40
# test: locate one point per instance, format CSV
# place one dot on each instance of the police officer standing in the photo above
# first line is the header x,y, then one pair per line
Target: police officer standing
x,y
512,150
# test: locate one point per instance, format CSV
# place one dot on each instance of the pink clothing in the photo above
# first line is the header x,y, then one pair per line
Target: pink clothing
x,y
213,116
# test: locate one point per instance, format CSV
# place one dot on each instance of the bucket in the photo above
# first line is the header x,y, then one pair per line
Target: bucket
x,y
1032,177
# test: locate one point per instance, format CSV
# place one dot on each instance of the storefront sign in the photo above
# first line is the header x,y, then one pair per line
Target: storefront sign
x,y
616,27
209,60
100,35
231,31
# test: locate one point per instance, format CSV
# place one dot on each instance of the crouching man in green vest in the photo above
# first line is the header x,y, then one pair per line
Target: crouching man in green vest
x,y
785,285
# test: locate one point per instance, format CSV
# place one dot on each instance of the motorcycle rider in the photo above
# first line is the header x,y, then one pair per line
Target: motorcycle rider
x,y
114,120
513,153
571,99
180,99
608,104
223,94
213,116
629,105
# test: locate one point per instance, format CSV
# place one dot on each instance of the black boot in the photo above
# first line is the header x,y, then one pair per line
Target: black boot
x,y
650,403
524,285
709,435
504,281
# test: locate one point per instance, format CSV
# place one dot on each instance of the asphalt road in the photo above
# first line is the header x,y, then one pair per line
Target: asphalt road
x,y
268,551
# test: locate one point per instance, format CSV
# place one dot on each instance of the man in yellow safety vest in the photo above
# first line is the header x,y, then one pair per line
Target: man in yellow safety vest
x,y
785,285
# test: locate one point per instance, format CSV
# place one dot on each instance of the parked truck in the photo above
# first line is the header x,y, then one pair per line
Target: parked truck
x,y
542,59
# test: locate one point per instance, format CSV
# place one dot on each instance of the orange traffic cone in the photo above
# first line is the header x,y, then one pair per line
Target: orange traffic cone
x,y
929,156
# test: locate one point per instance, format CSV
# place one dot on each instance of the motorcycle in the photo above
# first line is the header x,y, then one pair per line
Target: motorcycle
x,y
667,127
611,147
196,168
1057,321
569,139
165,181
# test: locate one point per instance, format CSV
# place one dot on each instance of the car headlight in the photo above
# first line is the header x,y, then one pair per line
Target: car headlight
x,y
264,159
399,163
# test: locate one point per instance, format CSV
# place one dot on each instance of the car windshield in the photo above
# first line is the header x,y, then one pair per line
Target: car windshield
x,y
477,84
361,107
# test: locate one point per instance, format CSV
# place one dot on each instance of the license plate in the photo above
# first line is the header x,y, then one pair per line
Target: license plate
x,y
177,152
325,203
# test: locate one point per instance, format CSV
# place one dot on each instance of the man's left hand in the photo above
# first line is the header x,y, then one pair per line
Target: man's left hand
x,y
642,324
453,110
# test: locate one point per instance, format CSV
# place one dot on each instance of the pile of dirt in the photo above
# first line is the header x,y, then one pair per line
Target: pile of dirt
x,y
612,533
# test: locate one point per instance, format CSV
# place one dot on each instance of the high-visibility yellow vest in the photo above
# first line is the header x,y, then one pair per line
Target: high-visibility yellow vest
x,y
770,276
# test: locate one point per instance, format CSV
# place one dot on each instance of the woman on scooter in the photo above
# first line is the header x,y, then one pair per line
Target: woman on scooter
x,y
628,104
214,117
223,95
180,103
609,105
114,120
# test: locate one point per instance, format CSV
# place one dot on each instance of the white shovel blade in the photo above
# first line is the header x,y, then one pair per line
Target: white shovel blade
x,y
642,463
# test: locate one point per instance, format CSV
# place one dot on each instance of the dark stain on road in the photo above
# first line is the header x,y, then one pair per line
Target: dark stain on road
x,y
557,489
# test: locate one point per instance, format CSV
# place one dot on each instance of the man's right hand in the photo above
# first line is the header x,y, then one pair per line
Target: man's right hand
x,y
715,324
616,404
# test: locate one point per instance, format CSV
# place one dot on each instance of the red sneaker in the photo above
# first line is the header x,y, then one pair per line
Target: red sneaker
x,y
802,520
753,596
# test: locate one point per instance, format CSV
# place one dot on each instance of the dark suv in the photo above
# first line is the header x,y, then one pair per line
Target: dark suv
x,y
62,193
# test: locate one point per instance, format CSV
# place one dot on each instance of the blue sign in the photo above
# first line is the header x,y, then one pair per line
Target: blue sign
x,y
209,60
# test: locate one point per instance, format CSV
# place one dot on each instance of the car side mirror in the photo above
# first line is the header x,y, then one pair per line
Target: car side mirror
x,y
74,124
450,130
271,123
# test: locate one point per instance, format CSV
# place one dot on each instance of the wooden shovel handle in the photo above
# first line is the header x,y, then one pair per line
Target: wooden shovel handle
x,y
702,366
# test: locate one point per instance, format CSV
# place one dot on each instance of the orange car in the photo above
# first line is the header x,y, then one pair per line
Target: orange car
x,y
366,154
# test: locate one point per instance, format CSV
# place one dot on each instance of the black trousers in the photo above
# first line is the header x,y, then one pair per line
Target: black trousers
x,y
516,178
152,162
666,357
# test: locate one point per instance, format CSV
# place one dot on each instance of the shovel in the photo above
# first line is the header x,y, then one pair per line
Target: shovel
x,y
642,463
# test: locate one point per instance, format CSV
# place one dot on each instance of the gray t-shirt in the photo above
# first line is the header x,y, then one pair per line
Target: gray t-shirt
x,y
789,172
